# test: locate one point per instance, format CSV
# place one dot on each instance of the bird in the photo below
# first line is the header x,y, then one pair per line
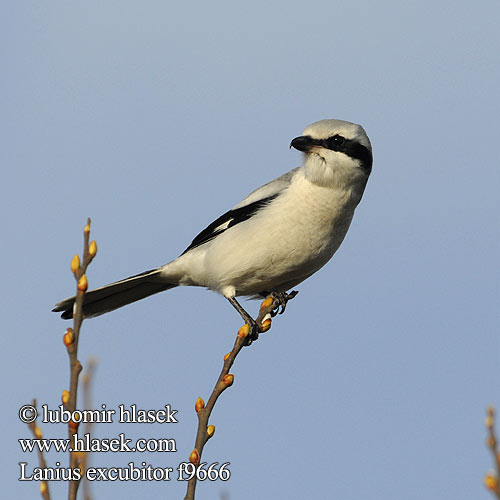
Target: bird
x,y
275,238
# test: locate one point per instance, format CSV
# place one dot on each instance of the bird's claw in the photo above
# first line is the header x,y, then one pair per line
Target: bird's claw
x,y
281,299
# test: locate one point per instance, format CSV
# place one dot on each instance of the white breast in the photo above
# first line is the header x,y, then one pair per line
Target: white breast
x,y
282,245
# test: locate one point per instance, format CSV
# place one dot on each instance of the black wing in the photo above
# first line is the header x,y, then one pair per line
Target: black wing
x,y
229,219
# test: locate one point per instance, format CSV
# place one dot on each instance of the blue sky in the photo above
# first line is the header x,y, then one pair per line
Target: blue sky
x,y
153,118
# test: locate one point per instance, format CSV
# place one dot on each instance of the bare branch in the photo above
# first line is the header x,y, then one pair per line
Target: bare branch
x,y
87,405
491,478
37,433
71,339
225,380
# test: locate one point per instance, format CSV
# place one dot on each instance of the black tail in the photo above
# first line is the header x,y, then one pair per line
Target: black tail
x,y
119,294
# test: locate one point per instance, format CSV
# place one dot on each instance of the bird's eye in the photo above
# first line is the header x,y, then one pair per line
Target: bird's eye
x,y
336,140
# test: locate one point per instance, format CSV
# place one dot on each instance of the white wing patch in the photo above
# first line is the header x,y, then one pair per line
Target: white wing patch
x,y
223,226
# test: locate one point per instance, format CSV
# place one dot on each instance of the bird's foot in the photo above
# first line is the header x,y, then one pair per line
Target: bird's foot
x,y
274,304
250,331
254,333
281,299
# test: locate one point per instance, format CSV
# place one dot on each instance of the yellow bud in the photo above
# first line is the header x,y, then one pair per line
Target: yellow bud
x,y
491,481
244,331
210,430
75,264
83,284
490,441
489,422
44,488
86,229
227,356
266,303
194,458
92,248
73,425
265,325
65,396
69,337
199,405
38,432
228,379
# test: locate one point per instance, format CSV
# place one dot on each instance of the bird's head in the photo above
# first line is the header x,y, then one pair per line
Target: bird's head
x,y
337,153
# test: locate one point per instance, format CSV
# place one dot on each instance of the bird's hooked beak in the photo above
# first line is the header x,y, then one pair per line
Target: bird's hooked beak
x,y
303,143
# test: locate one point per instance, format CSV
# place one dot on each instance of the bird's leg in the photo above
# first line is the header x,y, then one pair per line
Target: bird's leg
x,y
282,299
254,328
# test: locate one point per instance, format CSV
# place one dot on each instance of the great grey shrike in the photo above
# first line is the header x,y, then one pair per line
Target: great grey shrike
x,y
274,239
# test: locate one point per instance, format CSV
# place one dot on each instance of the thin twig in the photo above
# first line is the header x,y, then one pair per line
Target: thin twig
x,y
87,405
225,380
491,480
37,433
71,339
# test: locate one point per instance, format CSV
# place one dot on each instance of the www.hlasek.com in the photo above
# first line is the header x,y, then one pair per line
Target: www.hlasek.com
x,y
86,444
120,444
